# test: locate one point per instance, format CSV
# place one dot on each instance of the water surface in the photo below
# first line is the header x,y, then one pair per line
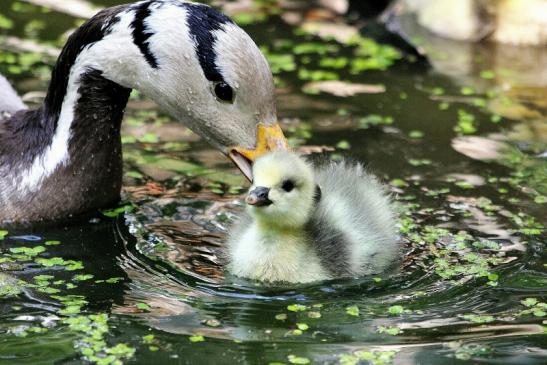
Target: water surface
x,y
147,285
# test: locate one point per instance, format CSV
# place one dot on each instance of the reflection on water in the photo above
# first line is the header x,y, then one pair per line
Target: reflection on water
x,y
149,285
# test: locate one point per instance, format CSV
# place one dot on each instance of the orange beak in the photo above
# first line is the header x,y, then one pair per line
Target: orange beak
x,y
268,138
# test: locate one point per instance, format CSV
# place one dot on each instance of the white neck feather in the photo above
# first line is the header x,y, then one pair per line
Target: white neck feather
x,y
121,61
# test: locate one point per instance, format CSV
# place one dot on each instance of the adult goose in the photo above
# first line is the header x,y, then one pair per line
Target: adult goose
x,y
65,157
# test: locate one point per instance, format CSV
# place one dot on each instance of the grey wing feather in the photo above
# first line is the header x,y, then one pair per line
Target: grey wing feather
x,y
10,102
329,243
357,205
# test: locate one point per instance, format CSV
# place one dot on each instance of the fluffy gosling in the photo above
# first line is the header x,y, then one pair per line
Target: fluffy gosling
x,y
305,224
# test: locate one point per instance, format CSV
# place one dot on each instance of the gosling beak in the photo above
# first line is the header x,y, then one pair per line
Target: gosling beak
x,y
258,197
268,138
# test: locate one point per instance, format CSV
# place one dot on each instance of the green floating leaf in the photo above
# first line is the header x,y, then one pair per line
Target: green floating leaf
x,y
343,145
466,90
71,309
82,277
437,91
395,310
196,338
28,251
398,183
296,307
393,331
5,23
143,307
121,350
487,74
377,357
10,286
374,120
419,162
293,359
466,123
317,75
149,138
248,18
148,338
112,213
353,310
479,318
529,302
415,134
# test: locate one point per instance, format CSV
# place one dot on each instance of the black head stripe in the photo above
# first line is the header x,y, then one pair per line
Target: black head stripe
x,y
141,34
202,22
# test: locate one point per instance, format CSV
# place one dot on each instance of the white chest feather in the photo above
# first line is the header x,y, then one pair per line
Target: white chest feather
x,y
280,257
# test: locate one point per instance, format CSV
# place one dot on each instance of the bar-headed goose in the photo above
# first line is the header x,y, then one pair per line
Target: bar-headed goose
x,y
306,223
201,68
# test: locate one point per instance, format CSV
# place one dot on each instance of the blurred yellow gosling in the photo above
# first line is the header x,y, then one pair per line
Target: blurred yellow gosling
x,y
306,224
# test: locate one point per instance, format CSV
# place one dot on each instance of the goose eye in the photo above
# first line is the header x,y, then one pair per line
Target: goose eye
x,y
224,92
288,185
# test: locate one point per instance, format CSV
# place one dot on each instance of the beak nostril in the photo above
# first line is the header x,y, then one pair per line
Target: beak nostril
x,y
258,197
251,199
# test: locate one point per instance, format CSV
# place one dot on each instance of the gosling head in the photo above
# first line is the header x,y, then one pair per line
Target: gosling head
x,y
284,191
193,61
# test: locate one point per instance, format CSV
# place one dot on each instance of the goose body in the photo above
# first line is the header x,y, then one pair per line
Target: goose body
x,y
306,223
194,62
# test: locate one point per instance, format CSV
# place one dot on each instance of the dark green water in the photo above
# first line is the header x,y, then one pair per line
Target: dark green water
x,y
146,287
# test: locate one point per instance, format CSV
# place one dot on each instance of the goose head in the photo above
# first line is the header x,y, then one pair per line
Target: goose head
x,y
284,191
193,61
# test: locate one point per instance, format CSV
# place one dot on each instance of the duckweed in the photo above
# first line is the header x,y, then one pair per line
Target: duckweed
x,y
343,145
466,90
353,310
5,23
374,120
299,360
112,213
314,314
10,286
143,307
478,318
415,134
393,331
196,338
396,310
372,357
466,123
439,227
297,307
487,74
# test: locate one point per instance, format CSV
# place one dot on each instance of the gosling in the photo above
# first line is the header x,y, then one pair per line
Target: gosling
x,y
305,224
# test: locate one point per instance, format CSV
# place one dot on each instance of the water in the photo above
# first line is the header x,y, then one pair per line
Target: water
x,y
150,287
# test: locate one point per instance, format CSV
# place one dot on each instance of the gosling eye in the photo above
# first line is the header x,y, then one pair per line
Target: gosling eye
x,y
224,92
288,185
